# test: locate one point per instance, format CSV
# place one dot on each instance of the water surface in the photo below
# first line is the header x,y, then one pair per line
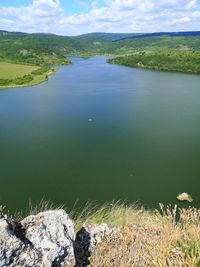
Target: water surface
x,y
97,131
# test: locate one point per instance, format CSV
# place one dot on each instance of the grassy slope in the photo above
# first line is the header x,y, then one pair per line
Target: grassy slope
x,y
36,80
12,71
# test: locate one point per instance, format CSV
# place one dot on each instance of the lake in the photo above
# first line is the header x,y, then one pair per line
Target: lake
x,y
97,131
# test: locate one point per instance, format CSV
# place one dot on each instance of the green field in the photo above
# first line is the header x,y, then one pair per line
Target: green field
x,y
12,71
17,75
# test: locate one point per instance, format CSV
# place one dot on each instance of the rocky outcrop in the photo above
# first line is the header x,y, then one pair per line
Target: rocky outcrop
x,y
48,239
15,249
52,234
87,239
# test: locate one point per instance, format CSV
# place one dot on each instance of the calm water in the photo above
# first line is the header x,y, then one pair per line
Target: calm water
x,y
96,131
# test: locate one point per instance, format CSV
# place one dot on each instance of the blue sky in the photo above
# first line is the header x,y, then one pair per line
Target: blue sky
x,y
73,17
71,7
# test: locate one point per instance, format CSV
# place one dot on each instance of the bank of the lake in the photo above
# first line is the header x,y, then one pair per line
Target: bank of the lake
x,y
36,80
14,75
162,60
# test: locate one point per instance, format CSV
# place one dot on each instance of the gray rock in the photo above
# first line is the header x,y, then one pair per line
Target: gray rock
x,y
15,250
43,240
48,240
87,239
52,233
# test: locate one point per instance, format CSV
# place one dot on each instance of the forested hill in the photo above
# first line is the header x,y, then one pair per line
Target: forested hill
x,y
49,49
36,49
169,52
158,34
40,49
173,61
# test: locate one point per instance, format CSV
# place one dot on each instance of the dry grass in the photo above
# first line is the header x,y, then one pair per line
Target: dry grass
x,y
169,236
115,214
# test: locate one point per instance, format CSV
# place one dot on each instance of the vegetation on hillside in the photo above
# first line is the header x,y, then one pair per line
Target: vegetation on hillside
x,y
166,60
45,49
97,45
35,49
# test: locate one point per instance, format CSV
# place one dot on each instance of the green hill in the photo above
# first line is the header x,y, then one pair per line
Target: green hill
x,y
37,49
166,60
170,51
45,49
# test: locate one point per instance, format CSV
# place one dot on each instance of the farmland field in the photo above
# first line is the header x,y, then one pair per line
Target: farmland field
x,y
12,71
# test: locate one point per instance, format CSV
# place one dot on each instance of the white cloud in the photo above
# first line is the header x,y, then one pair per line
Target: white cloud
x,y
114,16
196,14
40,16
182,20
46,3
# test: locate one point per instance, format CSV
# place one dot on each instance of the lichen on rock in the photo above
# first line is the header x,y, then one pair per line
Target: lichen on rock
x,y
45,239
14,249
52,233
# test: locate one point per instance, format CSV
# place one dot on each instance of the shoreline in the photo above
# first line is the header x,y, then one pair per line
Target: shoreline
x,y
146,67
171,62
38,79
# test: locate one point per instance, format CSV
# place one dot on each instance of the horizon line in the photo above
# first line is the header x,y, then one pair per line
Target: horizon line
x,y
87,33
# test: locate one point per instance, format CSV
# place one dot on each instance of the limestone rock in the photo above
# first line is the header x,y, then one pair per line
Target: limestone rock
x,y
52,233
48,239
15,249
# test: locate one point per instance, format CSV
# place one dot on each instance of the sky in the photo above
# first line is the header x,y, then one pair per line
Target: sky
x,y
74,17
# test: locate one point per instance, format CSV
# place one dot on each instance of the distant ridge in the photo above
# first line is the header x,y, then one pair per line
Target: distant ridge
x,y
157,34
113,37
4,32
